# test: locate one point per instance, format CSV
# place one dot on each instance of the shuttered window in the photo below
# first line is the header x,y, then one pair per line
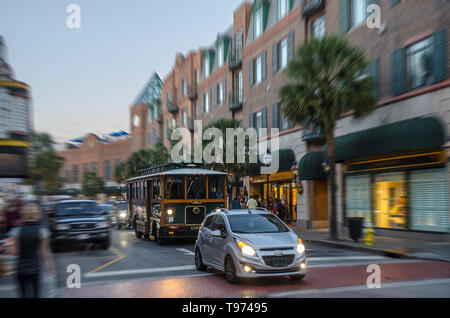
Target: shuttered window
x,y
428,200
358,191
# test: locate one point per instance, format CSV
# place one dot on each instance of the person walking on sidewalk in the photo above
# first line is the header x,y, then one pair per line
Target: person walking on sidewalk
x,y
252,204
30,239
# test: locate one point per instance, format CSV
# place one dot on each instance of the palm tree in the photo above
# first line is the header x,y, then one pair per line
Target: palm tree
x,y
328,79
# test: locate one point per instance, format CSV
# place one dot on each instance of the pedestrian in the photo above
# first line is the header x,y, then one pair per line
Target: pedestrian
x,y
236,204
29,240
281,210
243,204
252,204
13,213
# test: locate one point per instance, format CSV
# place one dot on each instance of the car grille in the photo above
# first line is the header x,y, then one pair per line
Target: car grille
x,y
195,214
83,226
278,261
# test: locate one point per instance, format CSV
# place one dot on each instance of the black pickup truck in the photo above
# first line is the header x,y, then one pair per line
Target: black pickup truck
x,y
77,221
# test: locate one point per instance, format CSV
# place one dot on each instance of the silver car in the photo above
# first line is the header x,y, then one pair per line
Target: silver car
x,y
249,243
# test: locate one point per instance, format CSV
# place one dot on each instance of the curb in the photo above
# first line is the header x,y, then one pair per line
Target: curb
x,y
373,250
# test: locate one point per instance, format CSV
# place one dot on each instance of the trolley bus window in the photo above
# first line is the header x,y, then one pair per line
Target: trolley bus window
x,y
216,187
174,189
157,189
196,187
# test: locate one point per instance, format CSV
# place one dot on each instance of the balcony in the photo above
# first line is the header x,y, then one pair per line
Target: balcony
x,y
235,59
313,133
172,107
235,100
313,7
159,118
192,92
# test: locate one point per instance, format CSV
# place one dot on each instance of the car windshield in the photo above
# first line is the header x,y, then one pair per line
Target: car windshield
x,y
256,223
77,208
122,206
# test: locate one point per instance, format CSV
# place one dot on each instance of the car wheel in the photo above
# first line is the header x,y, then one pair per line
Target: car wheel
x,y
230,271
136,232
199,261
119,226
56,246
297,277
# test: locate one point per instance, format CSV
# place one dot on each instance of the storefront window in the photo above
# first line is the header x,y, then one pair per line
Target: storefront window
x,y
390,200
216,187
357,198
196,187
428,196
174,188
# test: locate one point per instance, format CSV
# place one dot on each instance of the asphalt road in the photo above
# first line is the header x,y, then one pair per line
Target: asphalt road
x,y
137,264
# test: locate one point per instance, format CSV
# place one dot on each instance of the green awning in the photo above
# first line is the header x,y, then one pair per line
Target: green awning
x,y
286,161
414,134
310,166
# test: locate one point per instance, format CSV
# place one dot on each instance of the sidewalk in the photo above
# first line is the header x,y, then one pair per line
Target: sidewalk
x,y
387,246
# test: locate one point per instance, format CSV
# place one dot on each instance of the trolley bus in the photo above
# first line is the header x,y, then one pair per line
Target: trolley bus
x,y
172,201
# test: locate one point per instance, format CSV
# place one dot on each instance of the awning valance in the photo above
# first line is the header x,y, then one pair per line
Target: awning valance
x,y
310,167
286,161
408,135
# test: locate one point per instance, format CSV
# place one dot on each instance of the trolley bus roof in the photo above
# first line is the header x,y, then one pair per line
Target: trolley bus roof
x,y
181,172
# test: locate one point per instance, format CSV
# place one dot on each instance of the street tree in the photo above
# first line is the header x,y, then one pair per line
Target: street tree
x,y
328,78
45,164
93,184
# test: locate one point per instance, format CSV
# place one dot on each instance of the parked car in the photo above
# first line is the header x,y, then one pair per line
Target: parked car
x,y
109,209
249,244
78,222
120,212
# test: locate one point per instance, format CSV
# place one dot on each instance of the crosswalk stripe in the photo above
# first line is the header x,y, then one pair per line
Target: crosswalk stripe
x,y
139,271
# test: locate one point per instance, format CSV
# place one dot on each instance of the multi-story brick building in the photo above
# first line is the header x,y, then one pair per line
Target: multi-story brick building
x,y
392,166
93,154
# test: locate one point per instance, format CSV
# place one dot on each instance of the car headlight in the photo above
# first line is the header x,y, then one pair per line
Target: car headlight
x,y
300,247
245,248
123,215
62,227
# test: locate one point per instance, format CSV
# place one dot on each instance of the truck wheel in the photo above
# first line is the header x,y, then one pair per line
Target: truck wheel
x,y
136,232
106,243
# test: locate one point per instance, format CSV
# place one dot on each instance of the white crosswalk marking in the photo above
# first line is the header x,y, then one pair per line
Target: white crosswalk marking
x,y
185,251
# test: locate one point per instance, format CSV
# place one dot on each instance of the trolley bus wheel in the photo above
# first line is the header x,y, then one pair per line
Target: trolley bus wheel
x,y
159,239
199,261
136,232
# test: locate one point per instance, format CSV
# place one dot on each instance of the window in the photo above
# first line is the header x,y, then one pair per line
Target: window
x,y
216,187
258,23
174,188
107,170
208,222
318,28
156,189
283,123
220,55
239,87
419,64
196,187
220,94
206,67
184,86
283,8
259,122
219,224
184,117
258,70
357,197
94,167
206,102
358,12
75,173
283,54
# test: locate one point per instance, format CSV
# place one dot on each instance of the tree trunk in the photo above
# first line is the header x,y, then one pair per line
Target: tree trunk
x,y
332,180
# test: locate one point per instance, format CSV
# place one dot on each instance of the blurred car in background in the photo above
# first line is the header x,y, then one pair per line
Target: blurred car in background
x,y
75,222
120,211
109,209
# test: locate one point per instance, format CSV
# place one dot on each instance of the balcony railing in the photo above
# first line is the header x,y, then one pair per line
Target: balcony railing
x,y
313,133
171,107
192,92
312,7
235,58
235,100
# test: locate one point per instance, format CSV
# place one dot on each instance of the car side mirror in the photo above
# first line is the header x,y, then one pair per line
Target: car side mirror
x,y
216,233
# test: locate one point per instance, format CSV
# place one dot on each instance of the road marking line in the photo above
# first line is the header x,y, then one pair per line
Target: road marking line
x,y
119,257
139,271
359,288
185,251
344,258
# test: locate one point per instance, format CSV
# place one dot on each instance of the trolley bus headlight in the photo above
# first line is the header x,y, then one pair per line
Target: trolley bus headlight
x,y
170,212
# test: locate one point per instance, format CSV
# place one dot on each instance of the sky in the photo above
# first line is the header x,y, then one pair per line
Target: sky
x,y
84,80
